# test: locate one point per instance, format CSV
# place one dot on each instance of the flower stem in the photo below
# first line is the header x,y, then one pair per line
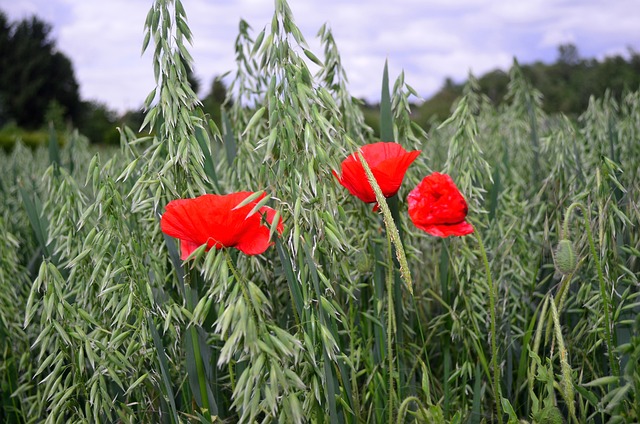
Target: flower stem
x,y
193,334
255,311
492,313
603,289
392,230
390,330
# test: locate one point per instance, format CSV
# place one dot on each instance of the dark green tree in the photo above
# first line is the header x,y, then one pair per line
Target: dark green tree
x,y
568,53
194,81
212,103
33,74
98,123
5,29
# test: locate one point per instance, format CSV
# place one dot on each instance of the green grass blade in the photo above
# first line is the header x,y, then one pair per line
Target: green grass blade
x,y
164,369
294,285
198,359
54,149
386,119
228,137
174,257
209,167
477,396
39,223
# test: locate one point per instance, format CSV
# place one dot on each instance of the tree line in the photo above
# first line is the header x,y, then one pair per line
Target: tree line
x,y
566,85
38,86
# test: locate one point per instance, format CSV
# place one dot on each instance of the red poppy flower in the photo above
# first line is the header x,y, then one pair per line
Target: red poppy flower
x,y
215,220
388,161
437,207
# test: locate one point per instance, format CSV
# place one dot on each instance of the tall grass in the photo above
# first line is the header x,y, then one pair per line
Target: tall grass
x,y
100,321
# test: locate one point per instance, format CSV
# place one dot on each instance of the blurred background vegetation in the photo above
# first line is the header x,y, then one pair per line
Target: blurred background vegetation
x,y
38,88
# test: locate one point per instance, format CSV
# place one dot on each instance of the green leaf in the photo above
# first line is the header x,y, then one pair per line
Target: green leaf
x,y
254,119
38,222
477,396
602,381
197,350
164,369
386,119
209,168
54,150
228,137
294,284
313,57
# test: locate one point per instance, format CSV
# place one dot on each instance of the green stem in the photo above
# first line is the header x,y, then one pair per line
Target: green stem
x,y
603,288
492,313
390,329
402,411
390,226
193,333
255,311
605,297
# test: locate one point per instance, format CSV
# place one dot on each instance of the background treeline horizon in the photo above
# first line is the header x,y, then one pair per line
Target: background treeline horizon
x,y
38,88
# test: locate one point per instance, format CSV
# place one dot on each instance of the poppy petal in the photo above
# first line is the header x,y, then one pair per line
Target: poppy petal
x,y
388,161
217,221
186,248
254,242
459,229
437,207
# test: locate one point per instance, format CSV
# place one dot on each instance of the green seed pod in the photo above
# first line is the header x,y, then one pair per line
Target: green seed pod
x,y
363,262
550,415
565,257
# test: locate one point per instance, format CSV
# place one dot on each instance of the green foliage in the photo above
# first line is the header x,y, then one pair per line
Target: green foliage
x,y
566,85
10,135
98,123
100,321
212,102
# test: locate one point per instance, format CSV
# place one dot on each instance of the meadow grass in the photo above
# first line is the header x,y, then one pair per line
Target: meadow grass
x,y
353,315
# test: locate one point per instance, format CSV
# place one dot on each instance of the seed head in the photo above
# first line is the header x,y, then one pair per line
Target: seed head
x,y
550,415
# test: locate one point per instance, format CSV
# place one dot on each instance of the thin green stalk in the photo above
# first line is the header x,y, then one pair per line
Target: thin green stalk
x,y
603,289
392,230
255,312
393,237
492,313
193,333
390,329
567,383
404,407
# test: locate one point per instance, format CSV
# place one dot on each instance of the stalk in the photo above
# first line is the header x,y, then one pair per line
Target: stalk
x,y
193,333
492,312
255,312
390,330
603,289
393,237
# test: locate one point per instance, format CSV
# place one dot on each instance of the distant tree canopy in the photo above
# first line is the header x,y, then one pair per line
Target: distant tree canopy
x,y
34,77
213,101
566,84
38,85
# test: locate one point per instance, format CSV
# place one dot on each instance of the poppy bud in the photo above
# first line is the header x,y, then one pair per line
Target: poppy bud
x,y
550,415
565,257
363,262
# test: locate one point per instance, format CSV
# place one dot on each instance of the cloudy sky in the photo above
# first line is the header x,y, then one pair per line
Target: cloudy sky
x,y
429,39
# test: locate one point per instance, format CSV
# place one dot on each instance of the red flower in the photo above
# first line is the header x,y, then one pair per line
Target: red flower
x,y
437,207
388,162
215,221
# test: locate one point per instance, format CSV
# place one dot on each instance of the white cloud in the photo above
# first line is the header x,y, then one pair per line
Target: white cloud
x,y
431,40
555,37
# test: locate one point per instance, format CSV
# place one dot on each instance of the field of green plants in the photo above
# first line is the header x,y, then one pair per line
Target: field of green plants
x,y
351,313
